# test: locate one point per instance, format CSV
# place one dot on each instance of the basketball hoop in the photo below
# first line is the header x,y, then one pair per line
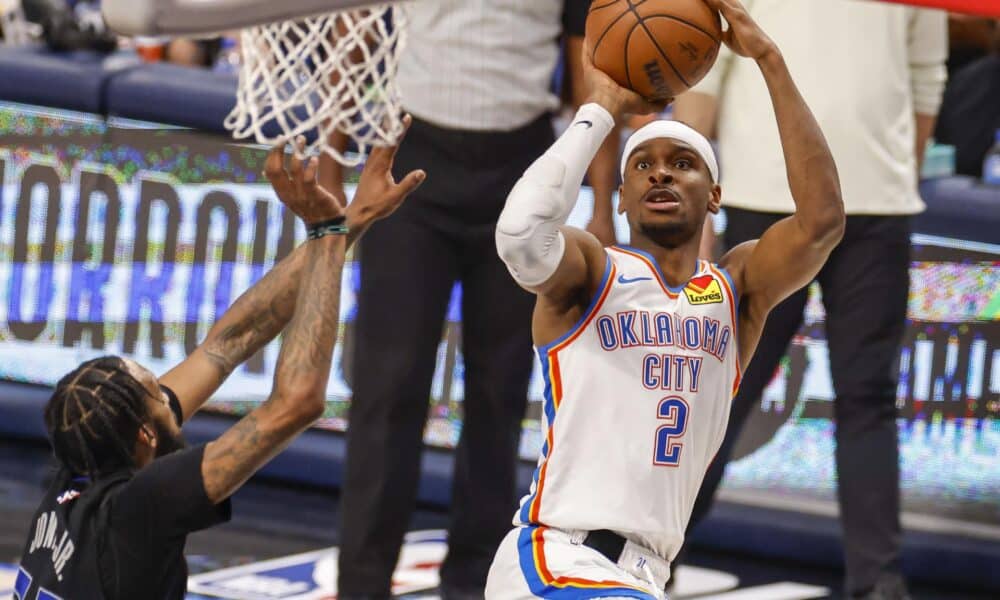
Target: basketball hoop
x,y
305,70
319,75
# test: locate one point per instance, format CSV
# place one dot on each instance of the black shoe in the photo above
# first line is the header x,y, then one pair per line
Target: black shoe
x,y
362,597
890,586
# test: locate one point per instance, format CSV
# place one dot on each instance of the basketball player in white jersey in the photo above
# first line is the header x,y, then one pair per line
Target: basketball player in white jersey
x,y
642,346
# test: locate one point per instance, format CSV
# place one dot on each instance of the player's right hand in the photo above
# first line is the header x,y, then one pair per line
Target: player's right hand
x,y
618,101
378,194
744,36
297,188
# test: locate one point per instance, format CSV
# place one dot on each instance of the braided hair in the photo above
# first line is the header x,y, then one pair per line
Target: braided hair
x,y
94,416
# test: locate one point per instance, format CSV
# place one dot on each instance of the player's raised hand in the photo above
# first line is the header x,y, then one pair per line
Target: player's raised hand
x,y
744,36
618,101
378,194
297,187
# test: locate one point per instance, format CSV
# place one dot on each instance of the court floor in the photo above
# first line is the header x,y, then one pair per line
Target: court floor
x,y
282,542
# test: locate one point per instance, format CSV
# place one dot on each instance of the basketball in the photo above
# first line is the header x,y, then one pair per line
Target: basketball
x,y
657,48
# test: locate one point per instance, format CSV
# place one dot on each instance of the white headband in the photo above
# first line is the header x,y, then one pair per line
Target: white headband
x,y
674,130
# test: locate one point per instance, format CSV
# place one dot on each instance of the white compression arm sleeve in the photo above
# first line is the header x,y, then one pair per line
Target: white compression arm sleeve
x,y
528,236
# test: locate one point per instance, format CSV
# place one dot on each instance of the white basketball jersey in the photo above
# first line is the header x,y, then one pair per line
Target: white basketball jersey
x,y
637,399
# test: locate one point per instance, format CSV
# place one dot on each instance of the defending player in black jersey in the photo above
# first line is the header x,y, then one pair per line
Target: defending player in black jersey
x,y
114,522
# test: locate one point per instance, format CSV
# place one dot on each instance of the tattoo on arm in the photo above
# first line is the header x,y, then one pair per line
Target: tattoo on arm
x,y
237,342
222,470
308,345
300,378
235,457
256,317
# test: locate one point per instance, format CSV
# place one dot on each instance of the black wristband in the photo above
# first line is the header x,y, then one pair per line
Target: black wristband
x,y
335,226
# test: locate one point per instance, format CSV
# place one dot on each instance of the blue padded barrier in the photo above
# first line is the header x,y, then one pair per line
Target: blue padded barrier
x,y
172,94
34,74
180,96
960,205
315,458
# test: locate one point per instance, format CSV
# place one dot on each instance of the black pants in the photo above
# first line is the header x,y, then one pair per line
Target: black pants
x,y
409,262
865,285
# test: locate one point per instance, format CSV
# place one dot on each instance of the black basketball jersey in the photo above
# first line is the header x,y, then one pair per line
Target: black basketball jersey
x,y
119,537
59,558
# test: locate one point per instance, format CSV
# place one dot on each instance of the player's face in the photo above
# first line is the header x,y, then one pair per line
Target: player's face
x,y
164,425
667,191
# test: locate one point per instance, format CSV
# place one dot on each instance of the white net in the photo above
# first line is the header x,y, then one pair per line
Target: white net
x,y
319,75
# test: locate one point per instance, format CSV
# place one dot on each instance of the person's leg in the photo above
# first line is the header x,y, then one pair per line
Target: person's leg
x,y
496,341
407,273
865,288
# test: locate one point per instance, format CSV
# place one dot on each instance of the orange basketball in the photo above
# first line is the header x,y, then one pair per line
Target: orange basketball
x,y
657,48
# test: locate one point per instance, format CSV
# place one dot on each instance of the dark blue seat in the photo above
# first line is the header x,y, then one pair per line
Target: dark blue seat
x,y
960,206
182,96
34,74
172,94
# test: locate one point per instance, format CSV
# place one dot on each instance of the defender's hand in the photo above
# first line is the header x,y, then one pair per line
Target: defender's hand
x,y
378,194
614,98
297,187
744,36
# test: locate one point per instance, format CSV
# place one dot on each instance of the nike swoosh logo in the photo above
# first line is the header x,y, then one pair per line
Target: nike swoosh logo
x,y
587,123
622,279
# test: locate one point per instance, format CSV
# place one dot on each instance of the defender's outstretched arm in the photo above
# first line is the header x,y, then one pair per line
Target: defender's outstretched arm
x,y
265,309
300,379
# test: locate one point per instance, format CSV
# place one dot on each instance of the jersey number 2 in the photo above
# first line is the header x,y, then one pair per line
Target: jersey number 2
x,y
673,410
23,582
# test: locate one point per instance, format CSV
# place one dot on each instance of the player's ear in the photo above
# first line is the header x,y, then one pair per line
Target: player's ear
x,y
621,194
147,437
715,199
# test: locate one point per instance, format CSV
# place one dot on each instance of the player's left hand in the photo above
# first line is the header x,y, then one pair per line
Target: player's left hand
x,y
378,195
297,187
744,36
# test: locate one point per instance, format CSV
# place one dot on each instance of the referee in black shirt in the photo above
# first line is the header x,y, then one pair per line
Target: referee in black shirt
x,y
114,521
